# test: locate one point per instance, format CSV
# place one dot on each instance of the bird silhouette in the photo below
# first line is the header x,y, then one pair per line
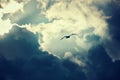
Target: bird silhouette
x,y
68,36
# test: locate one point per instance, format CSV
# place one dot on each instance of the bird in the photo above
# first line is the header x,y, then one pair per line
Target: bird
x,y
68,36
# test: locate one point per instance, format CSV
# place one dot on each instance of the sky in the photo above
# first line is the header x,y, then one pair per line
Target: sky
x,y
31,47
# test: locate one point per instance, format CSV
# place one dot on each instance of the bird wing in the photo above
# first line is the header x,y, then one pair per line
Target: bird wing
x,y
72,34
62,38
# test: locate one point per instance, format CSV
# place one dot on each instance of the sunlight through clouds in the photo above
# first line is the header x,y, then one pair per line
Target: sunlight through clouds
x,y
66,17
53,19
8,7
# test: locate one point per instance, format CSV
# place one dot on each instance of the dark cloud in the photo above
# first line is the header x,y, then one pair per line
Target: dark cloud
x,y
74,71
113,9
113,46
100,65
114,22
50,3
18,43
92,38
22,60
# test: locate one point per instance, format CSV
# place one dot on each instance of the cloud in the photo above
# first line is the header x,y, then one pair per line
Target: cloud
x,y
53,19
23,54
5,26
21,59
27,12
11,6
75,58
100,65
16,45
66,17
112,45
76,17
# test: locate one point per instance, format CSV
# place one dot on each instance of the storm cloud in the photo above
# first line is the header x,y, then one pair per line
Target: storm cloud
x,y
21,59
30,45
112,45
101,66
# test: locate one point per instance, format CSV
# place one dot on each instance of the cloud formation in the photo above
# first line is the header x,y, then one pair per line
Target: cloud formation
x,y
66,17
95,21
41,55
112,45
21,59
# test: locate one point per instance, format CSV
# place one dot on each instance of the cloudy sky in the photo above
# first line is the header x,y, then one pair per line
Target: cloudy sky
x,y
31,47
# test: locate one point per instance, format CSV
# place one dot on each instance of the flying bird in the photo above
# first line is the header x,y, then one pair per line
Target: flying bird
x,y
68,36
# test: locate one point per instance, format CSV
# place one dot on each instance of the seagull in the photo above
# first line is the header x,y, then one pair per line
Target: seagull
x,y
68,36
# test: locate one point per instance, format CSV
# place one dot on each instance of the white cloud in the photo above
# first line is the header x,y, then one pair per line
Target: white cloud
x,y
71,57
11,6
8,7
70,17
65,17
5,26
68,55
